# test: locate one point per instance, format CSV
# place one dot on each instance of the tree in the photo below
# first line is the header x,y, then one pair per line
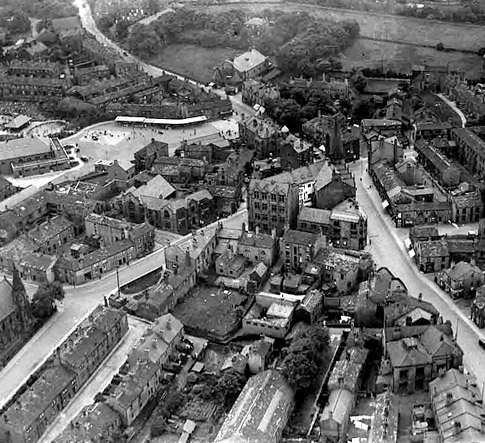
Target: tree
x,y
153,6
229,386
19,23
300,371
359,81
304,357
144,41
121,29
44,300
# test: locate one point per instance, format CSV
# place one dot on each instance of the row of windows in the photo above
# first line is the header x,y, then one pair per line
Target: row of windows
x,y
273,197
274,208
264,216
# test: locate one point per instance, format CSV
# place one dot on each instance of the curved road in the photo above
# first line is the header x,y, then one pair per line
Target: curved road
x,y
388,250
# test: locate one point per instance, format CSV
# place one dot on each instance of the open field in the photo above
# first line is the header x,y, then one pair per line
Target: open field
x,y
193,61
400,58
383,26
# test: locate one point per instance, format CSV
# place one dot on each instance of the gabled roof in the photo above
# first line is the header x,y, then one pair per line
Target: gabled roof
x,y
18,122
438,343
298,237
157,187
7,302
314,215
432,248
261,411
249,60
408,352
339,406
461,269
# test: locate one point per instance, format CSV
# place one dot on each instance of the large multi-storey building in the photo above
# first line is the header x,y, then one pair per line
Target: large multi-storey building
x,y
180,215
272,205
29,156
471,150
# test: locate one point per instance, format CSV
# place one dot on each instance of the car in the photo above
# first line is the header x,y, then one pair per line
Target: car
x,y
84,158
481,343
95,138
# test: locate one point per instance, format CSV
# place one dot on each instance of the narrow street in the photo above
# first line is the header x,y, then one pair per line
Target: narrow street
x,y
77,305
388,250
98,381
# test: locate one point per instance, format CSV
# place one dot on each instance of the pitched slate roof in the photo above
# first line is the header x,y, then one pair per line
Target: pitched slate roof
x,y
249,60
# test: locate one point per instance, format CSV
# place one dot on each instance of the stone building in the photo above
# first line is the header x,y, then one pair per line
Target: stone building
x,y
272,205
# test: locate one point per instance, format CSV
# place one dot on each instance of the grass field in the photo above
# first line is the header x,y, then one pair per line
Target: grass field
x,y
397,28
371,54
194,61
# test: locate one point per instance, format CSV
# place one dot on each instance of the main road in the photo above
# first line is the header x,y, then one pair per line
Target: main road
x,y
388,250
77,305
89,24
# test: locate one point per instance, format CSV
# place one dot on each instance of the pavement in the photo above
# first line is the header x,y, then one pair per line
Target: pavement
x,y
455,108
99,380
388,250
77,304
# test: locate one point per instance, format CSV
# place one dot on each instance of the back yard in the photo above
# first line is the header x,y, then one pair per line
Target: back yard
x,y
209,310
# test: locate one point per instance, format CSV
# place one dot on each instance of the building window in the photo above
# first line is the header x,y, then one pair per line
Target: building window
x,y
256,194
256,205
264,196
264,206
281,198
273,197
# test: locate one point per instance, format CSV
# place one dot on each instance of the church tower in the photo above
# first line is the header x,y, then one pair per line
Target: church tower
x,y
336,152
21,300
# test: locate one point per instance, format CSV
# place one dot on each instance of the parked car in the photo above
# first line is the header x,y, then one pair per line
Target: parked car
x,y
481,343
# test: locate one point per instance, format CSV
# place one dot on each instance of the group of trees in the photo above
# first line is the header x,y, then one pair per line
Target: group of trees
x,y
298,105
468,12
41,9
301,44
45,298
226,389
304,356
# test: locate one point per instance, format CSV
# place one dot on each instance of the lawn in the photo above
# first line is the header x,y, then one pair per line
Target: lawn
x,y
401,57
207,310
193,61
396,28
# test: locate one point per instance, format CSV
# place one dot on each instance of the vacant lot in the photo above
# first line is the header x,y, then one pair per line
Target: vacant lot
x,y
210,310
395,57
400,29
193,61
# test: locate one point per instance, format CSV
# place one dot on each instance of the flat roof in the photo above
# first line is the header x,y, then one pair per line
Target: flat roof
x,y
22,147
161,121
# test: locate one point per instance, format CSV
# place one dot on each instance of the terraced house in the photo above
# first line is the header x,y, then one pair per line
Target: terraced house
x,y
73,363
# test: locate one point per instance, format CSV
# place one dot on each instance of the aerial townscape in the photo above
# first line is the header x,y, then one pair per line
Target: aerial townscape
x,y
242,222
